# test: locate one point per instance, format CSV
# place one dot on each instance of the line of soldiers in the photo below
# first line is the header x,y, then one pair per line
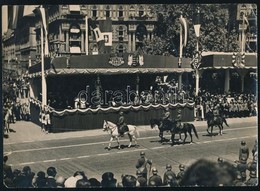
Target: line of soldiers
x,y
169,178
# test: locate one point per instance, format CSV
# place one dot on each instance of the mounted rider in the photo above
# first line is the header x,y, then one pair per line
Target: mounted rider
x,y
122,127
216,113
166,117
179,120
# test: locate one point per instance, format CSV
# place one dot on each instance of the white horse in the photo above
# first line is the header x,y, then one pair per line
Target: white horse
x,y
112,129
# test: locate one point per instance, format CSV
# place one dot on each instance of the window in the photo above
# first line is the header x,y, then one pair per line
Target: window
x,y
141,11
120,31
94,11
107,12
120,12
120,48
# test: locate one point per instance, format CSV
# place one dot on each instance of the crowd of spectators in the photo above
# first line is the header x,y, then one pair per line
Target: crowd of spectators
x,y
230,106
201,173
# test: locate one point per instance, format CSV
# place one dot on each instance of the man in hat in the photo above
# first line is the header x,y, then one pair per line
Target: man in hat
x,y
167,174
181,173
155,178
142,163
179,120
108,180
122,127
243,150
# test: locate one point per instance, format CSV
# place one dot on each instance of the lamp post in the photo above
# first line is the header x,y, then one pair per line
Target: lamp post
x,y
197,56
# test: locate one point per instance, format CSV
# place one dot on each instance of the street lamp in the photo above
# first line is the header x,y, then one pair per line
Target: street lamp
x,y
197,56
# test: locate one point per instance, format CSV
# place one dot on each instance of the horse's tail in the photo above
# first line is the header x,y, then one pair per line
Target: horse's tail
x,y
137,132
195,131
225,121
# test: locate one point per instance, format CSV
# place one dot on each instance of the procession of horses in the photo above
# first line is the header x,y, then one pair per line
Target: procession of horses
x,y
166,126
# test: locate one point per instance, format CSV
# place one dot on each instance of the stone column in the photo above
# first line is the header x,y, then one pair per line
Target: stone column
x,y
227,81
129,42
82,41
133,47
67,41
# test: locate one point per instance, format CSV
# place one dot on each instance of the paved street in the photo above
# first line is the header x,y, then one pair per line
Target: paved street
x,y
85,150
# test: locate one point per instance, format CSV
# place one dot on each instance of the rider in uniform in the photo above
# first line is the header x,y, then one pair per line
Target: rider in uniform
x,y
179,119
216,112
122,127
166,117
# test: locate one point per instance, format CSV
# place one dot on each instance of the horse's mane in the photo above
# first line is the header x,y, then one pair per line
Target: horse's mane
x,y
110,123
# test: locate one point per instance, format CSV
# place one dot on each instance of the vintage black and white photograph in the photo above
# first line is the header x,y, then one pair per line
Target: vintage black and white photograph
x,y
129,95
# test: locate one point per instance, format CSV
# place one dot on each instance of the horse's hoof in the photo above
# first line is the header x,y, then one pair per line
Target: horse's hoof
x,y
119,148
129,146
109,148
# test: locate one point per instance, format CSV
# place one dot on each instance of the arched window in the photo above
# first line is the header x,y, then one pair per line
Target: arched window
x,y
94,11
141,11
107,11
120,12
132,11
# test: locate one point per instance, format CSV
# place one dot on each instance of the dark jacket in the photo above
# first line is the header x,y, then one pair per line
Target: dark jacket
x,y
157,179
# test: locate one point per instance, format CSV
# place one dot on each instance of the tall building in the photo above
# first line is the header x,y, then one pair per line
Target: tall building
x,y
67,27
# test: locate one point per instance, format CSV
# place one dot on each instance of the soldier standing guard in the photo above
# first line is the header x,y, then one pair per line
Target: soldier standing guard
x,y
155,179
243,151
167,174
142,163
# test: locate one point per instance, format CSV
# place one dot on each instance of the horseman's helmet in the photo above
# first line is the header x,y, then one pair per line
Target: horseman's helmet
x,y
181,167
168,166
142,153
243,143
154,170
166,109
220,160
179,111
121,113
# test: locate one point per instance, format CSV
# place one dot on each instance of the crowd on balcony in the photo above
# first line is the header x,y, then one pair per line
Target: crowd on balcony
x,y
242,172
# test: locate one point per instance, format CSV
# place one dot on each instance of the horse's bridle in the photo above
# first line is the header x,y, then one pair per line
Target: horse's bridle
x,y
112,129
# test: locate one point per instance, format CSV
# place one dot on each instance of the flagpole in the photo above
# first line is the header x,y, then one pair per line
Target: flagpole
x,y
243,31
86,42
181,46
44,89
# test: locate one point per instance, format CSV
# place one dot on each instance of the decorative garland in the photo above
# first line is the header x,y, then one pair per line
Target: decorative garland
x,y
112,109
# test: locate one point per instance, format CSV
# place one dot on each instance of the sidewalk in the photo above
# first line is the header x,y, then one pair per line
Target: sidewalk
x,y
24,131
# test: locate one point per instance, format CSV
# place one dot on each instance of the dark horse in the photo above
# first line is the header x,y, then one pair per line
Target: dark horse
x,y
215,121
171,126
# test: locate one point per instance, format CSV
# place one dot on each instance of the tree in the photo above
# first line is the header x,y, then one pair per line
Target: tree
x,y
216,31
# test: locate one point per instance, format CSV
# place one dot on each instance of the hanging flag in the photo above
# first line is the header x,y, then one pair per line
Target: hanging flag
x,y
45,28
106,29
44,19
15,16
98,34
184,26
